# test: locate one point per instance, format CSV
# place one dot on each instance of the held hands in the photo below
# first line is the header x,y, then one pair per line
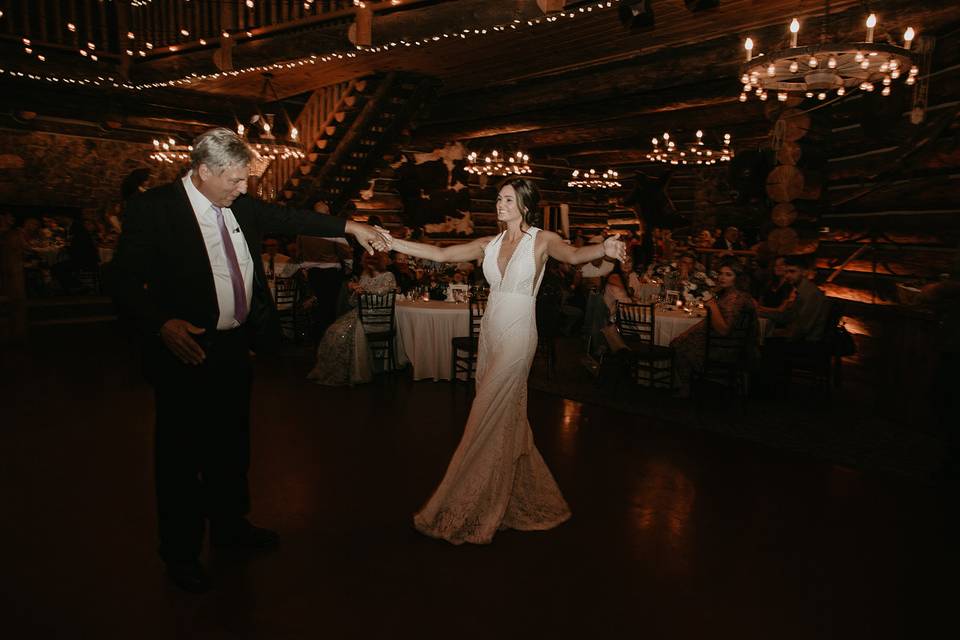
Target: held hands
x,y
368,237
386,237
614,248
177,335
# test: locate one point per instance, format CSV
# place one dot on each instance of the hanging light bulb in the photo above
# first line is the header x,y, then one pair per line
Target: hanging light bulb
x,y
782,96
771,70
832,62
812,62
841,91
794,66
908,36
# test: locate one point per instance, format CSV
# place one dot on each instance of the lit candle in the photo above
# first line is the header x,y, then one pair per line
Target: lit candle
x,y
748,46
794,30
871,23
908,36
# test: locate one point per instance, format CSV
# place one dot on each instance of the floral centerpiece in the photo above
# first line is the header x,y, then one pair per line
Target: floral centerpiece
x,y
697,288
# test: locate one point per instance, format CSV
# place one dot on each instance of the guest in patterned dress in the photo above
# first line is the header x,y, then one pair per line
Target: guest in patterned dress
x,y
731,301
343,356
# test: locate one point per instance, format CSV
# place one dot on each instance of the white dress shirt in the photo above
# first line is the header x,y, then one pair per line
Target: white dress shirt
x,y
207,219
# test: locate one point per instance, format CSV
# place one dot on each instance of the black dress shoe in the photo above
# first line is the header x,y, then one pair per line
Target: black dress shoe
x,y
244,536
189,576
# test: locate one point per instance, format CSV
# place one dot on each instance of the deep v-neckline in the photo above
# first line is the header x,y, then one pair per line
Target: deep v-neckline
x,y
506,267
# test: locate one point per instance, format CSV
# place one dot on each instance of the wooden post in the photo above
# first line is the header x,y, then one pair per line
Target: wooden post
x,y
223,57
361,31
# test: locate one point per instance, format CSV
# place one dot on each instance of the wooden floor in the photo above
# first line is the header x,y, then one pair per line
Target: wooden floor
x,y
676,533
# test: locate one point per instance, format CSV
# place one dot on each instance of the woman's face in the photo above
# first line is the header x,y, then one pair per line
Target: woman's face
x,y
508,208
726,278
372,262
686,264
779,267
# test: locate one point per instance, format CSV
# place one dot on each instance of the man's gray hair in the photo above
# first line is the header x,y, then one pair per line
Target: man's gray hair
x,y
218,149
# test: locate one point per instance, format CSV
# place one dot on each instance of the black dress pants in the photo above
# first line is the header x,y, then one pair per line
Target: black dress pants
x,y
202,442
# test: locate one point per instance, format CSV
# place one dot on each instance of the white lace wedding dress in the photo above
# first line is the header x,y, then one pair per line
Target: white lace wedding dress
x,y
497,478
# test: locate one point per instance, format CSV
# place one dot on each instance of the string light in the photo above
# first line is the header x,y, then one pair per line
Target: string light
x,y
314,59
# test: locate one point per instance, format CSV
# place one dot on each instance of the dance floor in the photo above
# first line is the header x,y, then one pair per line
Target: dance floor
x,y
677,533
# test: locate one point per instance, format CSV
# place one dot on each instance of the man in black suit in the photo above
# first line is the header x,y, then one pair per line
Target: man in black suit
x,y
187,272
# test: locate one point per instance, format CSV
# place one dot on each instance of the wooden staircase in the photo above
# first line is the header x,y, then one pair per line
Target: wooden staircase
x,y
353,129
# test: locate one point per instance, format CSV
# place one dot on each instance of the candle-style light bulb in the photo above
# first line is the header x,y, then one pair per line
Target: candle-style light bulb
x,y
794,30
908,37
871,23
748,47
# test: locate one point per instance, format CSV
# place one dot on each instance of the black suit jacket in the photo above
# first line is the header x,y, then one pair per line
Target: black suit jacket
x,y
161,269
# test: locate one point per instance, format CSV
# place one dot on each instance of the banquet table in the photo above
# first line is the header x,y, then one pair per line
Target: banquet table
x,y
425,330
670,323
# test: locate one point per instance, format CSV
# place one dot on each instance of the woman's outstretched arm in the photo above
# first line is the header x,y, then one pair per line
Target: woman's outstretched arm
x,y
465,252
557,249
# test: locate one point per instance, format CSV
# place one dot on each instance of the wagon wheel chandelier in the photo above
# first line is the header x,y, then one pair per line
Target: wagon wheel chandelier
x,y
698,152
498,164
170,151
590,179
820,70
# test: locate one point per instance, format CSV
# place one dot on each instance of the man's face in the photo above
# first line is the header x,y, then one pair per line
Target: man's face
x,y
223,188
686,263
731,234
271,247
794,275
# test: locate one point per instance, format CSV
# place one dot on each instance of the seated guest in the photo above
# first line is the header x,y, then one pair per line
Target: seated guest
x,y
555,286
343,356
325,261
592,273
614,291
704,239
805,318
730,240
272,257
777,292
725,310
80,256
405,276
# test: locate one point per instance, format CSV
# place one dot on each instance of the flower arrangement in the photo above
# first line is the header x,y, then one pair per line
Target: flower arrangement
x,y
695,288
698,287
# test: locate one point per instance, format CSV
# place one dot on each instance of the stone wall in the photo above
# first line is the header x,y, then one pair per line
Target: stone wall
x,y
44,169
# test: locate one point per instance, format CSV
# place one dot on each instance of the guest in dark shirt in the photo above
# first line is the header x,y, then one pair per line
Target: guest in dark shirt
x,y
730,240
777,292
805,318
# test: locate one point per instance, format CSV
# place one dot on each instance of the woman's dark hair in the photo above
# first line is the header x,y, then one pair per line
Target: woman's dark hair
x,y
528,198
741,279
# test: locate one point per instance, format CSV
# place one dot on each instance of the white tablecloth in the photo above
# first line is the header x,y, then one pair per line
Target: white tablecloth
x,y
670,324
424,334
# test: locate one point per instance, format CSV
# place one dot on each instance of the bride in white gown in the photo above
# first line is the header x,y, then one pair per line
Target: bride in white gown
x,y
497,478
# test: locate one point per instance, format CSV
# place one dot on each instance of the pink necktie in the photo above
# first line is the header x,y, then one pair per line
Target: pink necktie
x,y
236,278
